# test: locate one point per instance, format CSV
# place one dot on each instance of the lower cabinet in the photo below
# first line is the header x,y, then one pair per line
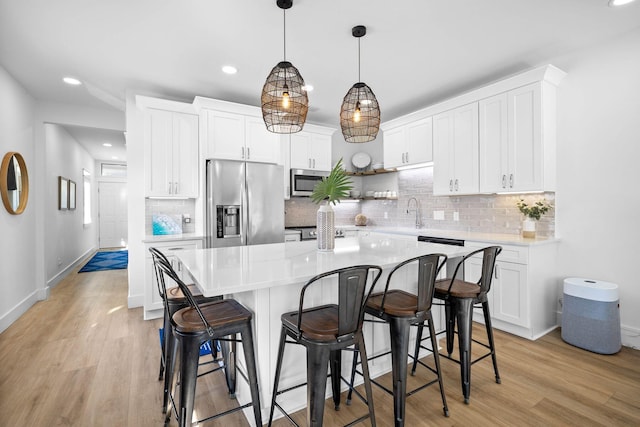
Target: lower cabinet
x,y
522,298
152,299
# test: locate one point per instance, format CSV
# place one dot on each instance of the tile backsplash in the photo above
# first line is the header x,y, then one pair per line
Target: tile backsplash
x,y
169,207
486,213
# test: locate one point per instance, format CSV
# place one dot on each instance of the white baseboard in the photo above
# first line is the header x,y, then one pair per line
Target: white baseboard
x,y
134,301
18,310
51,283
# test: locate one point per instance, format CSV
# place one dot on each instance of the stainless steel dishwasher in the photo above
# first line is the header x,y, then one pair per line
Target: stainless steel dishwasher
x,y
451,263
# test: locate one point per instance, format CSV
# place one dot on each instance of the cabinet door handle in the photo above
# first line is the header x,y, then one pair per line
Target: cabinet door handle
x,y
242,155
175,188
504,181
456,185
314,163
511,180
170,187
309,161
248,153
496,273
407,157
450,185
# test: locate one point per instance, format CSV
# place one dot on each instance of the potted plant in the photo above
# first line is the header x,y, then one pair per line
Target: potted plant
x,y
531,214
332,188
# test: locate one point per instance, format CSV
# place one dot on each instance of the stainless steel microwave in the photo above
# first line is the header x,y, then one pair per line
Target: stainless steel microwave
x,y
303,181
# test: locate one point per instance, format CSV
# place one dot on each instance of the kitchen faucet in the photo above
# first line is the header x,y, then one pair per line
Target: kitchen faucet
x,y
416,210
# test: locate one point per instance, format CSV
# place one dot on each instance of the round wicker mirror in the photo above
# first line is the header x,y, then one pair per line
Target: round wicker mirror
x,y
14,183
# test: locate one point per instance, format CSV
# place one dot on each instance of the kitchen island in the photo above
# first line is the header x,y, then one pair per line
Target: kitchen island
x,y
267,279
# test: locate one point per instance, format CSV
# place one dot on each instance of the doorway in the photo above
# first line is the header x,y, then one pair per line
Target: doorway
x,y
112,214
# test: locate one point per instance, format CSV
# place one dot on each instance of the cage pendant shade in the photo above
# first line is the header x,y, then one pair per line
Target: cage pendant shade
x,y
360,111
284,100
360,114
281,115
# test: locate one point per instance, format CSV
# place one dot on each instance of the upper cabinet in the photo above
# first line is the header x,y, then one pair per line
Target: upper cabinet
x,y
236,132
517,140
455,151
171,148
311,148
408,144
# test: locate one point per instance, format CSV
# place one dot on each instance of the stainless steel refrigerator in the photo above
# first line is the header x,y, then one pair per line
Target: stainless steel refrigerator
x,y
245,203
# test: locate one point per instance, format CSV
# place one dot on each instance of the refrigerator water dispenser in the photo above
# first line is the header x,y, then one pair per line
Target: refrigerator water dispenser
x,y
228,221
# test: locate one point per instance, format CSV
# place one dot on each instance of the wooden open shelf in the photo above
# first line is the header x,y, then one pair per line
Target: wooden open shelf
x,y
371,172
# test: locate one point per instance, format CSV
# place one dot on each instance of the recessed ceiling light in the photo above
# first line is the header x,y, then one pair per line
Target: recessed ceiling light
x,y
106,144
614,3
308,88
114,157
72,81
229,69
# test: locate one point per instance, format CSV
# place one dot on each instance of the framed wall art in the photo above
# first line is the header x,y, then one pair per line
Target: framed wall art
x,y
63,193
72,195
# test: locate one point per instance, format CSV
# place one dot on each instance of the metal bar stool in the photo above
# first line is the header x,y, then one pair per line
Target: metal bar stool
x,y
324,331
173,300
459,298
401,310
199,323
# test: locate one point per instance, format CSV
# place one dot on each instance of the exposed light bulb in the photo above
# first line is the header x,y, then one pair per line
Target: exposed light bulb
x,y
356,113
285,96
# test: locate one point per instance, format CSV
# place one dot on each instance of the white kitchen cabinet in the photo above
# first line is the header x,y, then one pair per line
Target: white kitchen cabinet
x,y
455,151
522,299
310,150
409,144
517,140
171,153
233,136
152,299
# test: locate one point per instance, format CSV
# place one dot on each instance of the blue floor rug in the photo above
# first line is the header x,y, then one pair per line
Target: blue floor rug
x,y
111,260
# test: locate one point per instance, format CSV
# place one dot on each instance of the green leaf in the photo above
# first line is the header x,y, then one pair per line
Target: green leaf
x,y
334,187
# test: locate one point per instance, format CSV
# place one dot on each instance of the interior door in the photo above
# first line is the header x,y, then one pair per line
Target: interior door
x,y
112,214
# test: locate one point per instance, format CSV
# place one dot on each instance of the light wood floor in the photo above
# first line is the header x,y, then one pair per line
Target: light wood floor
x,y
83,359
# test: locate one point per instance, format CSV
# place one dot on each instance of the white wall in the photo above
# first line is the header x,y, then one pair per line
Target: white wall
x,y
67,240
598,195
17,232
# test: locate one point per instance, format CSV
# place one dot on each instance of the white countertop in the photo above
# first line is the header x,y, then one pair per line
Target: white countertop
x,y
220,271
506,239
172,237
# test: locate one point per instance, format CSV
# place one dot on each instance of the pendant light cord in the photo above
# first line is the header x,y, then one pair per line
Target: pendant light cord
x,y
284,32
359,60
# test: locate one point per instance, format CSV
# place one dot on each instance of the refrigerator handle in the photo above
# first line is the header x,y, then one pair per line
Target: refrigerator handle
x,y
244,212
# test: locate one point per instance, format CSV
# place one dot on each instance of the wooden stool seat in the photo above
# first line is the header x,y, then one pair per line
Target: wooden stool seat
x,y
397,303
176,294
318,323
219,313
459,288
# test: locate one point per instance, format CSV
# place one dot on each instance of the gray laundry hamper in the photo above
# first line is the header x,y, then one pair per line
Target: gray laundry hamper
x,y
591,315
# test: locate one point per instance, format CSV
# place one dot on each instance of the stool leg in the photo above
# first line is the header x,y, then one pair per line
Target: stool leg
x,y
487,322
436,359
335,358
228,350
450,319
189,356
416,352
317,362
464,314
250,360
399,330
276,380
353,374
171,349
367,379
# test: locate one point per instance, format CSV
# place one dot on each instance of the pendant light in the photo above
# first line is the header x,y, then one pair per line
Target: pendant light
x,y
284,98
360,112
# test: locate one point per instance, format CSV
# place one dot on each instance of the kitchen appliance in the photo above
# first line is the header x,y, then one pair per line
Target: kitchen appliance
x,y
244,203
310,233
303,181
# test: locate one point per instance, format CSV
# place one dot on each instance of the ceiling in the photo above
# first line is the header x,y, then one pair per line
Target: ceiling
x,y
415,53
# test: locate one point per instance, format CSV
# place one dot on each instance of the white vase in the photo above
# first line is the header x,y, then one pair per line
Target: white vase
x,y
325,228
528,228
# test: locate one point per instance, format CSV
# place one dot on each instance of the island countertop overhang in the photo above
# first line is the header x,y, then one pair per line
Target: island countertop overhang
x,y
222,271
